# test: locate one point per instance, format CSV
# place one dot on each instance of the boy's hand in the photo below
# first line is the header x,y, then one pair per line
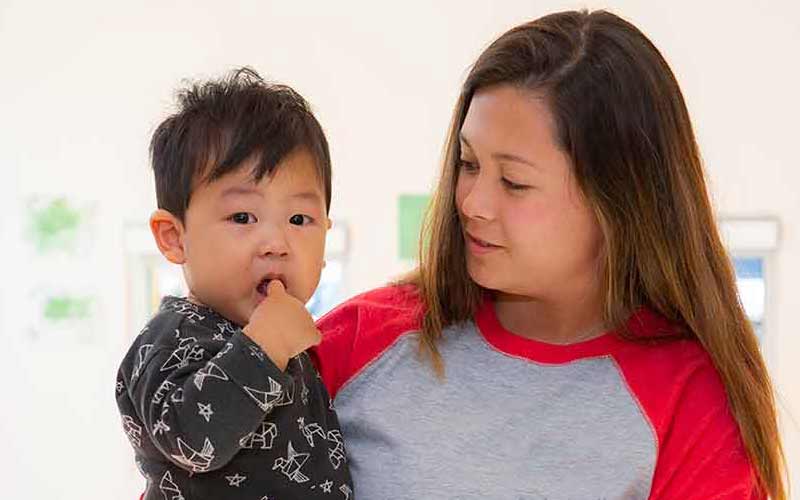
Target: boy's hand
x,y
282,326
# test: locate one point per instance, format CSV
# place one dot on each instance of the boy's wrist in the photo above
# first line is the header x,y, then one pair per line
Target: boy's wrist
x,y
277,355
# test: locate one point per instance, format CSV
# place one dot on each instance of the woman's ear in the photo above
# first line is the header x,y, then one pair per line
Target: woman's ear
x,y
168,232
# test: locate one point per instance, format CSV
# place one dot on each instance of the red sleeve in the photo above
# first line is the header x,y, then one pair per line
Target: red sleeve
x,y
702,455
332,356
361,329
700,451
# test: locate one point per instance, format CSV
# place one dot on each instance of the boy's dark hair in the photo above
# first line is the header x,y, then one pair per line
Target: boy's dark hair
x,y
220,124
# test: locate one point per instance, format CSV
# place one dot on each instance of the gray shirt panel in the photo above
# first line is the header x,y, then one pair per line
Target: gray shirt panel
x,y
497,427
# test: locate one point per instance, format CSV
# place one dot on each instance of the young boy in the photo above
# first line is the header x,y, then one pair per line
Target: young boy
x,y
217,394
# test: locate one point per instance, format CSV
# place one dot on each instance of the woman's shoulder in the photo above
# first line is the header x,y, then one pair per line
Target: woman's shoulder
x,y
393,295
670,374
676,384
361,329
652,343
388,307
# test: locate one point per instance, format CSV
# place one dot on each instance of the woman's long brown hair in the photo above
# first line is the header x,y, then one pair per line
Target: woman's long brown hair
x,y
622,118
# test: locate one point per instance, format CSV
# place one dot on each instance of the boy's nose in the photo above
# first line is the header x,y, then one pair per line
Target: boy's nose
x,y
274,244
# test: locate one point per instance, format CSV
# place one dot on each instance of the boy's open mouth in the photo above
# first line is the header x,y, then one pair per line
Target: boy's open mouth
x,y
261,288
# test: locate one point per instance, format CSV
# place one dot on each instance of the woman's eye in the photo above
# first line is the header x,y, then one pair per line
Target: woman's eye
x,y
243,218
514,186
467,166
299,219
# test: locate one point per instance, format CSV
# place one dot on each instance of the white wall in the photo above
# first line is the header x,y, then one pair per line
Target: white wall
x,y
84,83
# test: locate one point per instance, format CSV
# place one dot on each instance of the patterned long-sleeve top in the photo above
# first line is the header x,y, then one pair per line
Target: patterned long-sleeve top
x,y
210,416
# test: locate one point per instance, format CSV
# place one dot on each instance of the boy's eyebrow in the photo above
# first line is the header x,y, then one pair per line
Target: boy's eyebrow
x,y
502,156
241,190
250,191
308,195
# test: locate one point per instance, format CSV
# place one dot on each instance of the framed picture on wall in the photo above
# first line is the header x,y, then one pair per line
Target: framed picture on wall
x,y
751,243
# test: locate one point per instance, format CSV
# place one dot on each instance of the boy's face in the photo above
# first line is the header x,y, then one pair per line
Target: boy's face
x,y
238,234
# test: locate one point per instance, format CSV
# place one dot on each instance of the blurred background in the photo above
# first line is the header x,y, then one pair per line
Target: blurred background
x,y
84,84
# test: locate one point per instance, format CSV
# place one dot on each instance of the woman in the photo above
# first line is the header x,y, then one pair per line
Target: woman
x,y
573,329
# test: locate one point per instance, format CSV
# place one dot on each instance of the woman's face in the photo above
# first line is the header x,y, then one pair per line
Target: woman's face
x,y
527,228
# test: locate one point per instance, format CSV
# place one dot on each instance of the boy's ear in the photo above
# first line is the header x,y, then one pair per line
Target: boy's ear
x,y
168,232
330,223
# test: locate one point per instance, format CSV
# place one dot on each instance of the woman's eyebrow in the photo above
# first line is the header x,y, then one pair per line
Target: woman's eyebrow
x,y
503,156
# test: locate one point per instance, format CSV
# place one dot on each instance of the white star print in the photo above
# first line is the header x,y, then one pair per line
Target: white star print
x,y
205,411
235,480
326,486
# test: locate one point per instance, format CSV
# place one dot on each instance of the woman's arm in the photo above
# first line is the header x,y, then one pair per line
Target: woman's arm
x,y
702,455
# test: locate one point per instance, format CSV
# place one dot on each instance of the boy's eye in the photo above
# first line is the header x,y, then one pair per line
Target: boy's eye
x,y
299,219
243,218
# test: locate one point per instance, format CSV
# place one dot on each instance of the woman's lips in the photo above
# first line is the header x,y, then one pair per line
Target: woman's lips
x,y
478,246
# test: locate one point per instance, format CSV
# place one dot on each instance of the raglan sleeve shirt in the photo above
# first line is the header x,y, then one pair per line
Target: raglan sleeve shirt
x,y
698,449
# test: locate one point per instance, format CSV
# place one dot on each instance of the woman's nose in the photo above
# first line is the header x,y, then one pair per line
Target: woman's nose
x,y
479,200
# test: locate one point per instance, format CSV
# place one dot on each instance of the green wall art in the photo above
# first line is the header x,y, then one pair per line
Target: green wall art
x,y
54,224
63,280
411,210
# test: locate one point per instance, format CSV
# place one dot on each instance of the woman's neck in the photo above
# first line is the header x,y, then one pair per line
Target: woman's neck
x,y
565,321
